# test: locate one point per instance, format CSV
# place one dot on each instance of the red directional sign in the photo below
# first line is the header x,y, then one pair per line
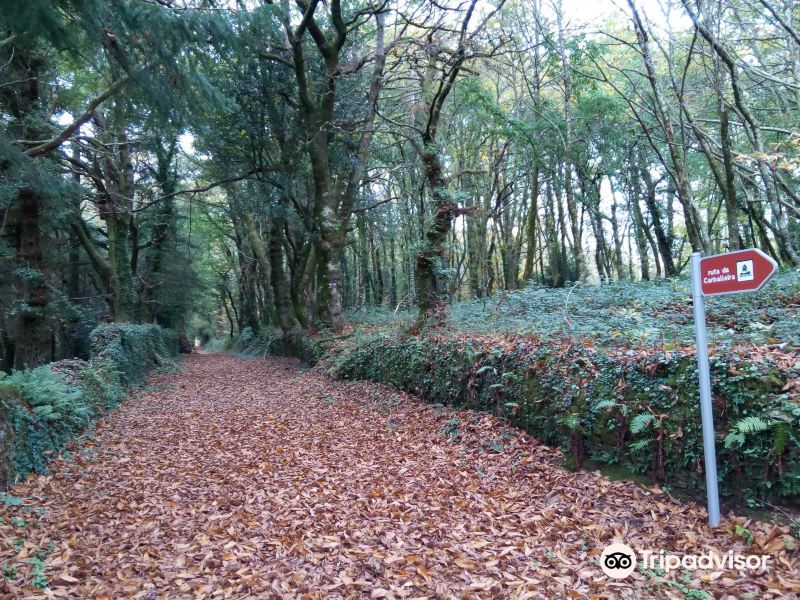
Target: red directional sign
x,y
740,271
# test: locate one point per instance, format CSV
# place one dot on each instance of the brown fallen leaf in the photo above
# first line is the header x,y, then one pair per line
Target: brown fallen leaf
x,y
178,503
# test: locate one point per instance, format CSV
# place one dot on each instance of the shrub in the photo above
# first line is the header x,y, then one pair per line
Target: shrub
x,y
133,350
294,342
41,409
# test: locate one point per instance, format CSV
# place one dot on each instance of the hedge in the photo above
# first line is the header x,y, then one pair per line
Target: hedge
x,y
635,409
41,409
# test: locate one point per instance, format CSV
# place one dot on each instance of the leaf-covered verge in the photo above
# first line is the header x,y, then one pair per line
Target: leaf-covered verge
x,y
41,409
608,373
265,479
637,408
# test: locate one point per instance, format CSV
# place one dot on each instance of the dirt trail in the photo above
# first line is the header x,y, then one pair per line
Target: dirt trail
x,y
241,479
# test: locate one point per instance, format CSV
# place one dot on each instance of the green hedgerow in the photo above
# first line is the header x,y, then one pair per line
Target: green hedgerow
x,y
636,410
41,409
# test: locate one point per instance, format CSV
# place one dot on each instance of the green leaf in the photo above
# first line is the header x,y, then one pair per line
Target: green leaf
x,y
641,421
603,404
780,437
734,438
640,445
10,500
752,424
745,534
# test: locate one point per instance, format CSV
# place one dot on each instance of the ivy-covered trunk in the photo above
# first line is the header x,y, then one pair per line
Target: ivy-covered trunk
x,y
122,294
280,285
430,286
116,204
31,333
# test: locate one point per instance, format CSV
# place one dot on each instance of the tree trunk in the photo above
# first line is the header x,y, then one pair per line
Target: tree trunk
x,y
638,225
572,208
393,293
677,167
376,265
280,285
615,232
366,286
31,336
729,191
260,252
119,259
664,246
530,226
782,235
431,290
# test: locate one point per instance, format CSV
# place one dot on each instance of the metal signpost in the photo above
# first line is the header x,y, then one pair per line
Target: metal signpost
x,y
730,273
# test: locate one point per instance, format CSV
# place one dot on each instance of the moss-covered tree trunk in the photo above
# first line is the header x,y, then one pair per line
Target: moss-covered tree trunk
x,y
123,295
115,203
32,332
531,223
431,287
265,269
285,318
301,273
731,203
334,196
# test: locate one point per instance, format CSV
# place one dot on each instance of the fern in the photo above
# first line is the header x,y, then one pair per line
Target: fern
x,y
49,396
781,433
751,424
603,404
640,445
46,411
570,421
780,437
640,422
735,437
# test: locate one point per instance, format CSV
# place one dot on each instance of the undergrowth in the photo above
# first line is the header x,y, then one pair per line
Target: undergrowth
x,y
636,409
294,342
628,314
608,373
41,409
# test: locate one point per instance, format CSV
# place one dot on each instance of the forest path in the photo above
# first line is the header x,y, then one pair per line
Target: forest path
x,y
260,480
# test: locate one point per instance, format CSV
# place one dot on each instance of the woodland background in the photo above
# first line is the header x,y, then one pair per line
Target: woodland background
x,y
282,176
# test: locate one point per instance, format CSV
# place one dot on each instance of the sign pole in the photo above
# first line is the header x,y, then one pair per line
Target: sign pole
x,y
706,412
